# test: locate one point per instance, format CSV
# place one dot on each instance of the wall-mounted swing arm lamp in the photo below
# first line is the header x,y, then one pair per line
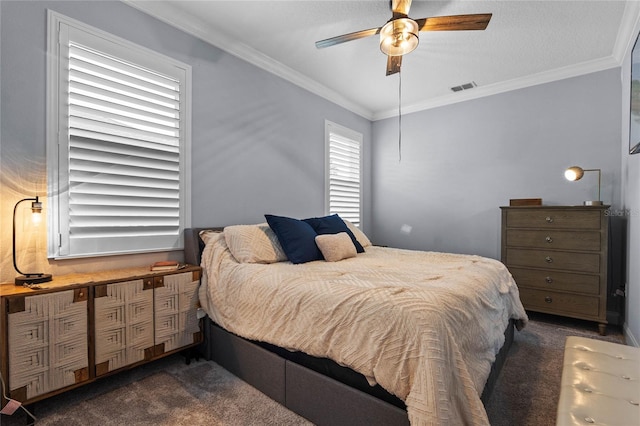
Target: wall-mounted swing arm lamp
x,y
575,173
34,277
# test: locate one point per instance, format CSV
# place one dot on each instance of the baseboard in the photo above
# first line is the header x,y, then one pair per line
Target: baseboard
x,y
630,339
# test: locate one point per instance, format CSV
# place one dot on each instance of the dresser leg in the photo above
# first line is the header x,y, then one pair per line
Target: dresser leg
x,y
602,329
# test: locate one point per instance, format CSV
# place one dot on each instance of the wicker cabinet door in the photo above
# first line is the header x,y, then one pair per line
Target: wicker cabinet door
x,y
123,324
48,338
176,323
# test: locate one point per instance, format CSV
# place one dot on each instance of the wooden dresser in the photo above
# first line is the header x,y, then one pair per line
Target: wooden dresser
x,y
80,327
558,257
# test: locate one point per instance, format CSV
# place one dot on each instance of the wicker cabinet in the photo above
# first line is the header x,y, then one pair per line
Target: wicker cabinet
x,y
48,341
142,319
558,257
81,327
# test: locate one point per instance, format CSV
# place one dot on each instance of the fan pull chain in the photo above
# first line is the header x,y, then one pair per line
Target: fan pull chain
x,y
399,116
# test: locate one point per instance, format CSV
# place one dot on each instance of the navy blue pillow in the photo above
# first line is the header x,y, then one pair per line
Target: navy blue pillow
x,y
297,238
332,225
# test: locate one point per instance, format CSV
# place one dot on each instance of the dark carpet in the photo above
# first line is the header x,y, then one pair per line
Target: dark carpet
x,y
170,392
527,390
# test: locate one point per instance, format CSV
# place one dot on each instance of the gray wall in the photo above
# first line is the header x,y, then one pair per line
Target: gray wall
x,y
258,141
263,151
631,198
461,162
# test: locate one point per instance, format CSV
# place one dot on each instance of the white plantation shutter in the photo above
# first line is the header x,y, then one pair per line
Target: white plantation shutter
x,y
122,132
344,173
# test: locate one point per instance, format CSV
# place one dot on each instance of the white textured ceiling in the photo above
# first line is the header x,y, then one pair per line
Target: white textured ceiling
x,y
526,43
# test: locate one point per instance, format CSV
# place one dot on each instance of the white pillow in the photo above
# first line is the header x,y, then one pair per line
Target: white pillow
x,y
360,236
254,244
336,247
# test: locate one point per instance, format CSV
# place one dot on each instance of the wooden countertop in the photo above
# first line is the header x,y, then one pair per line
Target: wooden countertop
x,y
90,278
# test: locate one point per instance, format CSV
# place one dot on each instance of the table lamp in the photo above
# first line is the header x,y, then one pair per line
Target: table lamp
x,y
33,277
575,173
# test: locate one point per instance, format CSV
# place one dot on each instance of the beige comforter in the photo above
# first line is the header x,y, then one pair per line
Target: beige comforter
x,y
426,326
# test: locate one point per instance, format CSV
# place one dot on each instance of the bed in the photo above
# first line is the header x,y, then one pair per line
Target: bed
x,y
385,336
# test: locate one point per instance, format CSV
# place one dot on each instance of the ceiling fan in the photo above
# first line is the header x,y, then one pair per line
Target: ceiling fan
x,y
399,35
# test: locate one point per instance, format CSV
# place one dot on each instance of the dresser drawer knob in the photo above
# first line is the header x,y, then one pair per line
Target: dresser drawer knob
x,y
549,239
549,280
548,259
548,299
549,219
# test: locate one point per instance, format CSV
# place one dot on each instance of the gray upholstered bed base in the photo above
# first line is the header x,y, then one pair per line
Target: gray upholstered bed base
x,y
318,398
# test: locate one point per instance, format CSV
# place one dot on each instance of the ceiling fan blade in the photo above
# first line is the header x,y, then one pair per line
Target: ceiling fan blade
x,y
455,22
346,37
393,64
400,7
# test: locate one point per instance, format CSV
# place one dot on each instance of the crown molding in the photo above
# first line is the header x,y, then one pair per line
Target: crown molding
x,y
505,86
628,30
200,29
625,39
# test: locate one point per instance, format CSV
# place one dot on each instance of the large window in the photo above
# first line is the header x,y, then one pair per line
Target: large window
x,y
118,144
343,174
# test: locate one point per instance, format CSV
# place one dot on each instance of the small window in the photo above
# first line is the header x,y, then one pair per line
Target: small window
x,y
117,144
343,172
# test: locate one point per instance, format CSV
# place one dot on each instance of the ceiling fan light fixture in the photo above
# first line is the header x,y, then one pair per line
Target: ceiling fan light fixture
x,y
399,37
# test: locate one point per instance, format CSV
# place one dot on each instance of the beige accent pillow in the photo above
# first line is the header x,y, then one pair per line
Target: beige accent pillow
x,y
254,244
360,236
336,247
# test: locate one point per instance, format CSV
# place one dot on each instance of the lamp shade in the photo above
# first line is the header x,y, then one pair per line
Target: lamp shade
x,y
574,173
399,36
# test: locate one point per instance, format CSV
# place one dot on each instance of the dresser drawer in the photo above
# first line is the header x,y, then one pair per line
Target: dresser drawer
x,y
556,260
561,303
553,280
553,218
554,239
